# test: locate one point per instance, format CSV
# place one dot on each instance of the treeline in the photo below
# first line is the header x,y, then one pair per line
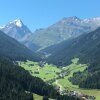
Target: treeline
x,y
78,77
92,82
17,84
90,78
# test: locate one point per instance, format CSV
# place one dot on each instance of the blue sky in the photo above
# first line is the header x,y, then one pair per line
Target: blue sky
x,y
42,13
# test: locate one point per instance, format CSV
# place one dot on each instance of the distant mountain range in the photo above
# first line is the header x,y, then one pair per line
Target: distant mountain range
x,y
86,47
66,28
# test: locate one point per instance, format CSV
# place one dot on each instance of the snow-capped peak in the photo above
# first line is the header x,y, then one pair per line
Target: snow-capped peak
x,y
17,22
97,18
92,19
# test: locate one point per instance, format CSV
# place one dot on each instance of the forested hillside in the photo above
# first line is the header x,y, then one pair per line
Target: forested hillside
x,y
14,50
85,47
14,81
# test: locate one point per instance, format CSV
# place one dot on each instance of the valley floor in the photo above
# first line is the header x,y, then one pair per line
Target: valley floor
x,y
58,76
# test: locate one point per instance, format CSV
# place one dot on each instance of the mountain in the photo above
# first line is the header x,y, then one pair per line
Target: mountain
x,y
14,50
86,47
67,28
16,29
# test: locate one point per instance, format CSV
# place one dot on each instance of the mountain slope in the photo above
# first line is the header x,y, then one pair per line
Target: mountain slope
x,y
12,49
17,83
86,47
66,28
16,29
10,86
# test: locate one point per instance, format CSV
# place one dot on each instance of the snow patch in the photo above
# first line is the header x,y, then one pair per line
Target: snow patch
x,y
1,27
18,23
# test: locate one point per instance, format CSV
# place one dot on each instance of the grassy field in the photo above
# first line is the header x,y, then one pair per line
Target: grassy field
x,y
74,67
38,97
48,72
66,84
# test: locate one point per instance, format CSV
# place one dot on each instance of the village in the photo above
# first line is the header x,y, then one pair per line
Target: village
x,y
57,76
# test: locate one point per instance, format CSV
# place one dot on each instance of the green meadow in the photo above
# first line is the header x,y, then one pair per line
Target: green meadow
x,y
48,72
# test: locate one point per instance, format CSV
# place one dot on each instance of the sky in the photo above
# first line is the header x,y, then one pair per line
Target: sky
x,y
43,13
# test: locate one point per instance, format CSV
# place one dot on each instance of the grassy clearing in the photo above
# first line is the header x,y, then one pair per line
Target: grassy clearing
x,y
74,67
47,72
38,97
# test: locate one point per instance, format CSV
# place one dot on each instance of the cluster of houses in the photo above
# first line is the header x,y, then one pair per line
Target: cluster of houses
x,y
78,94
75,94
